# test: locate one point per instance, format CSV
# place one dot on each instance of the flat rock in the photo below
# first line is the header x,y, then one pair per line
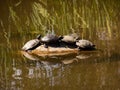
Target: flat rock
x,y
41,50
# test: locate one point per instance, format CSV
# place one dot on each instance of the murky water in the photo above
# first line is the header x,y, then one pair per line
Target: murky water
x,y
86,70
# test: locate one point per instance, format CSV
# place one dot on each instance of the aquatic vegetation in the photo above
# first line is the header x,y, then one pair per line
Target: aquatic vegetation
x,y
69,16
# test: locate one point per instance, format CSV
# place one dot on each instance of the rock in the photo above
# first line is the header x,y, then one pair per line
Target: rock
x,y
42,51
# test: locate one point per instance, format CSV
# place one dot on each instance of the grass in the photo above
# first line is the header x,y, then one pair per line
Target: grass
x,y
81,16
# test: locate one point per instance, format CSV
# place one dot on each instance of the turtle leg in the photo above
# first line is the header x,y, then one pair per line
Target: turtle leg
x,y
79,48
28,51
45,45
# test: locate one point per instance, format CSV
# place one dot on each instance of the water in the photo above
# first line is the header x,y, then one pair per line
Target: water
x,y
86,70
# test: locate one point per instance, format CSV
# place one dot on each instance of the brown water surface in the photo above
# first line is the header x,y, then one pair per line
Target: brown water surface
x,y
86,70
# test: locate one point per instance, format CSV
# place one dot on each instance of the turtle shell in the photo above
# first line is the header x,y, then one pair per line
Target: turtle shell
x,y
49,38
70,38
30,45
85,44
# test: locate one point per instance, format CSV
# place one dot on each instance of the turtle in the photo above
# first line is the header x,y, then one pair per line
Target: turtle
x,y
50,39
32,44
70,39
85,44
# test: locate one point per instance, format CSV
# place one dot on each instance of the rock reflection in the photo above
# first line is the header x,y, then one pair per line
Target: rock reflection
x,y
64,59
83,56
77,59
69,61
29,56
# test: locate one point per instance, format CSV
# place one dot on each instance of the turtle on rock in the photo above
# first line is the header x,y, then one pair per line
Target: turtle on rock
x,y
85,45
51,39
32,44
70,39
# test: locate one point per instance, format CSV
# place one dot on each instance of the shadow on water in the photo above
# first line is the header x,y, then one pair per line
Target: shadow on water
x,y
22,20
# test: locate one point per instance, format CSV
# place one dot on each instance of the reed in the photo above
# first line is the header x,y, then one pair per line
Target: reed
x,y
65,16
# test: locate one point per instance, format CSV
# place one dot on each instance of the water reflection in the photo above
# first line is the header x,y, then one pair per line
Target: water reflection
x,y
49,74
86,70
17,73
29,56
43,71
21,20
65,58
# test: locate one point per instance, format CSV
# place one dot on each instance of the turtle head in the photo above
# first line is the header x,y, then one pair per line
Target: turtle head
x,y
77,39
48,32
60,37
39,36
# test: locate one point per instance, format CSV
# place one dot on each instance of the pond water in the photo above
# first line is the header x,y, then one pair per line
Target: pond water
x,y
86,70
